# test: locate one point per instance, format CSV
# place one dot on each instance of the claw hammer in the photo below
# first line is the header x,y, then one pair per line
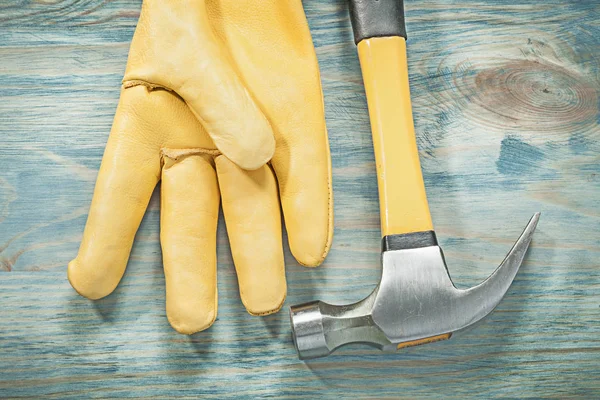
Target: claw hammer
x,y
415,301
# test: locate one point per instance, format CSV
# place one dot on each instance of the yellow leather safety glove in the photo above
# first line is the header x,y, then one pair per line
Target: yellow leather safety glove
x,y
212,91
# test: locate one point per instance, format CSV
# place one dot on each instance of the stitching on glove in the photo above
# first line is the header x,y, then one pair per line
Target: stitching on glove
x,y
150,86
329,214
178,154
328,242
273,311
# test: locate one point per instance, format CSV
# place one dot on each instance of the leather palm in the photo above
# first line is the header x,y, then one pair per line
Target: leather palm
x,y
221,101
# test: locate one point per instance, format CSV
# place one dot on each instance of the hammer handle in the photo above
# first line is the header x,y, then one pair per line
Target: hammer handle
x,y
402,198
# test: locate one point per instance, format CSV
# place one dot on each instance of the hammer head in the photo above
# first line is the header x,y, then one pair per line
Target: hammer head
x,y
415,302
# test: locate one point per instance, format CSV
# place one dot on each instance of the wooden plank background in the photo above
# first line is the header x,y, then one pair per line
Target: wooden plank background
x,y
506,100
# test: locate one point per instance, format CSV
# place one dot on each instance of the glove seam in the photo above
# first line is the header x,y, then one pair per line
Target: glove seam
x,y
329,211
329,240
178,154
138,82
269,312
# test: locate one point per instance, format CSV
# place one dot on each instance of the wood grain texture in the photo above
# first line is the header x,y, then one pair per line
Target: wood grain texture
x,y
506,102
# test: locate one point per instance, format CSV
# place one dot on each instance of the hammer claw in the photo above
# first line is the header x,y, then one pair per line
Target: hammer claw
x,y
483,298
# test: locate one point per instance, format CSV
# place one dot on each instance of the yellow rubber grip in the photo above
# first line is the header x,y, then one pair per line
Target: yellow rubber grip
x,y
402,199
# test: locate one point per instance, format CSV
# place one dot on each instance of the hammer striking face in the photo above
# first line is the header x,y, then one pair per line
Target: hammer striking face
x,y
416,301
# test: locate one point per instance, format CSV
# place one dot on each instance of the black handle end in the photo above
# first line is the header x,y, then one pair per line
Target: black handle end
x,y
377,18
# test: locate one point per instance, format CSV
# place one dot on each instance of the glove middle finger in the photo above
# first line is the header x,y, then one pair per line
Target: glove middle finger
x,y
253,217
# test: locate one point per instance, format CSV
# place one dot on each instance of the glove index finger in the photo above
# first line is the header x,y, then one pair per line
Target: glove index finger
x,y
129,172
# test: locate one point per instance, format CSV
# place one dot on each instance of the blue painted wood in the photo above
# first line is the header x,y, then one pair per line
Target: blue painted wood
x,y
506,100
